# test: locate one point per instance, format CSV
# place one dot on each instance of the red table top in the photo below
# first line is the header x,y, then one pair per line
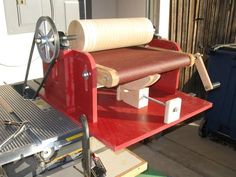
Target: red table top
x,y
120,125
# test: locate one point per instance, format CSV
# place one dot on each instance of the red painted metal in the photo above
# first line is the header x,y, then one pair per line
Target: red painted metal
x,y
60,83
169,81
115,123
67,90
120,125
165,44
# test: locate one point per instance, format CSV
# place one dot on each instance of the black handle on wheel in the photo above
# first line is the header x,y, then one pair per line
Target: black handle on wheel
x,y
86,161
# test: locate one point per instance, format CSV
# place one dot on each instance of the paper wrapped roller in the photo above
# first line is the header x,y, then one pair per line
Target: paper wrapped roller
x,y
103,34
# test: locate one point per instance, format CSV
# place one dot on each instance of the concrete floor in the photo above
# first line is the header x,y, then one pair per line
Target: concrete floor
x,y
182,153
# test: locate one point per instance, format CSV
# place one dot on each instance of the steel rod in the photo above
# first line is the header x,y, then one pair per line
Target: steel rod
x,y
20,130
154,100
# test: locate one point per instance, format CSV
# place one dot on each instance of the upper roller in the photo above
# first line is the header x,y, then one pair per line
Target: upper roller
x,y
103,34
92,35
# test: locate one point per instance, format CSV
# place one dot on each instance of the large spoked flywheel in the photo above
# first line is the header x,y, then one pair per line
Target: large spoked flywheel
x,y
47,39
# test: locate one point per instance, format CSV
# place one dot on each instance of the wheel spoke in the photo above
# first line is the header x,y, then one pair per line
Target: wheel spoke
x,y
47,52
44,27
50,34
42,49
39,34
51,46
41,46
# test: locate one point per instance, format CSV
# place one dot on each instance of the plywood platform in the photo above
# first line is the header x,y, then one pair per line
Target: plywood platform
x,y
120,125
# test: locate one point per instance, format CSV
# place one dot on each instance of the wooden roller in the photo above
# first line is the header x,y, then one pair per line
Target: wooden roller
x,y
124,65
198,61
103,34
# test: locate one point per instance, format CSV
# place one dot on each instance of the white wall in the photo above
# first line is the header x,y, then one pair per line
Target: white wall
x,y
137,8
131,8
14,49
118,8
104,9
164,18
14,52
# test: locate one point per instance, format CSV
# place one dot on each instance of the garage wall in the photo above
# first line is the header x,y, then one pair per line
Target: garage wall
x,y
131,8
118,8
104,8
14,51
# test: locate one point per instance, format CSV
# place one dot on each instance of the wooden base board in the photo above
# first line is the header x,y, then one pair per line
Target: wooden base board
x,y
120,125
122,163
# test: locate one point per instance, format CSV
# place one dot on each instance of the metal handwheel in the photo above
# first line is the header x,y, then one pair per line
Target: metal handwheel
x,y
48,42
47,39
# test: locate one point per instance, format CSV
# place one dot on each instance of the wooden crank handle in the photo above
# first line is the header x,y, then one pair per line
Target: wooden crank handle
x,y
203,72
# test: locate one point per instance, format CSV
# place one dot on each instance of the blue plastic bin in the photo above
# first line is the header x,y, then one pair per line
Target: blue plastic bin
x,y
222,117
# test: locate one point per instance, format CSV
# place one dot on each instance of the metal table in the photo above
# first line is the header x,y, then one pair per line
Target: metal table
x,y
48,127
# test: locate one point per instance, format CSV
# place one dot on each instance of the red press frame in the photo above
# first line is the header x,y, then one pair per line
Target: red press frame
x,y
115,123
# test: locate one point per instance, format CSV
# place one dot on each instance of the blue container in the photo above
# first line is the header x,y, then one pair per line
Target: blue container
x,y
222,117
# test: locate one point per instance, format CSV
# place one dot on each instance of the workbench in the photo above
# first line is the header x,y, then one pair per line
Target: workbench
x,y
119,163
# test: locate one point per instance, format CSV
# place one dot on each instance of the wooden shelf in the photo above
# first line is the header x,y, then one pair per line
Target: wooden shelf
x,y
120,125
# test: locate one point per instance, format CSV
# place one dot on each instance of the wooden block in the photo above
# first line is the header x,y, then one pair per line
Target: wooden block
x,y
132,93
172,110
133,97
